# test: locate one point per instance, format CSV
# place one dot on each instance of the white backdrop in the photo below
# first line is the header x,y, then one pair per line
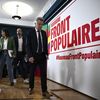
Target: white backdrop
x,y
83,73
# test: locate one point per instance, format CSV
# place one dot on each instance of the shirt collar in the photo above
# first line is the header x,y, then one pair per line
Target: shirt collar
x,y
37,29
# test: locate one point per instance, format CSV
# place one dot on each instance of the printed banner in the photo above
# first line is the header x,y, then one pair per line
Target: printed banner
x,y
74,47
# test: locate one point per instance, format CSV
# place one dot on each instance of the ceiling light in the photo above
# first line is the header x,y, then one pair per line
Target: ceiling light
x,y
17,9
16,17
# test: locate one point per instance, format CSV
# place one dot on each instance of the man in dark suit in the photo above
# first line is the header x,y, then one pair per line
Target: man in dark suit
x,y
38,54
19,62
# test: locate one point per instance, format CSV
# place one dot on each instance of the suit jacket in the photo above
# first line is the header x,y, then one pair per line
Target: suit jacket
x,y
10,45
23,45
32,43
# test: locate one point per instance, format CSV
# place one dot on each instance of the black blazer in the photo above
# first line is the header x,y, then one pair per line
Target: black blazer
x,y
23,45
32,43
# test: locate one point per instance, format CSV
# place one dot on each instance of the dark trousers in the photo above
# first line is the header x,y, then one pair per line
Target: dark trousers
x,y
41,62
20,66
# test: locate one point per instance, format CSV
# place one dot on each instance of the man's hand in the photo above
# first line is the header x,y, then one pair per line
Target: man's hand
x,y
31,59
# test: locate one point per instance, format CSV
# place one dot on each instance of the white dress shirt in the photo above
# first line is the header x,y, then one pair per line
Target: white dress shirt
x,y
37,34
5,43
20,43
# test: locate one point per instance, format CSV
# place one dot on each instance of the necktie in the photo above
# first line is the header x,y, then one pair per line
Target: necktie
x,y
39,43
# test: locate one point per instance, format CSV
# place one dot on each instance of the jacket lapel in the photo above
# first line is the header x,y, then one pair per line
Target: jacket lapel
x,y
9,43
35,36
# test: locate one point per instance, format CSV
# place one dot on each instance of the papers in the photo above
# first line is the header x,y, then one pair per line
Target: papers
x,y
10,53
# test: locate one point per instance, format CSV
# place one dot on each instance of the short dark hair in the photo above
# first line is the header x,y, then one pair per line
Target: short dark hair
x,y
6,32
39,18
19,28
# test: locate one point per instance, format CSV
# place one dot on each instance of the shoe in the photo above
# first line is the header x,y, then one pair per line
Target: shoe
x,y
26,81
30,91
15,81
12,84
46,94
